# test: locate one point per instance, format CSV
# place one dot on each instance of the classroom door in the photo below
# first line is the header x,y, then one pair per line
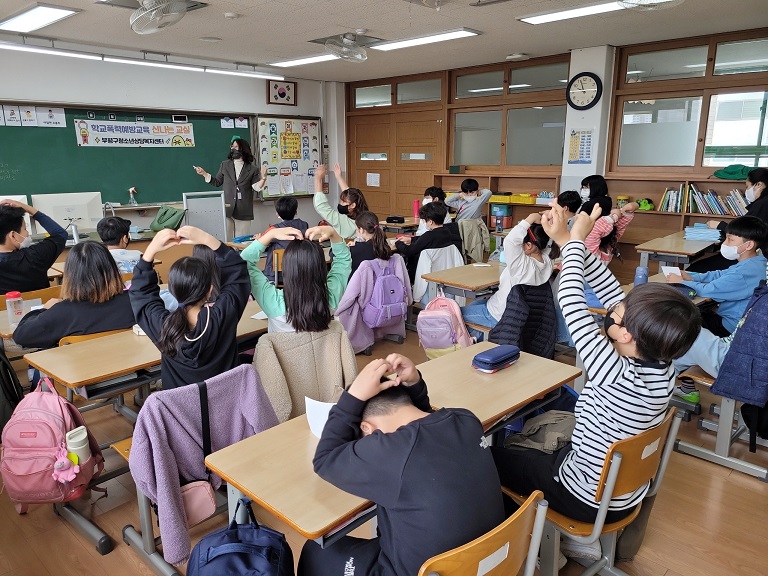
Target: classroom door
x,y
369,139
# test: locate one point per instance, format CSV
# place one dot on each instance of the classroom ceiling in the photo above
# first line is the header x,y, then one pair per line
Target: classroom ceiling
x,y
273,30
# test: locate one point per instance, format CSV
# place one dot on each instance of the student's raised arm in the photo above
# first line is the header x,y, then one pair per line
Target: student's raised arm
x,y
406,374
341,268
343,185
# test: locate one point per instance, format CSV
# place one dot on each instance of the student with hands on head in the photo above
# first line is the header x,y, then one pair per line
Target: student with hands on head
x,y
429,472
310,291
198,340
629,385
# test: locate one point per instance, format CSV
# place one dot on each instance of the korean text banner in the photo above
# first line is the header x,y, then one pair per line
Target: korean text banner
x,y
133,134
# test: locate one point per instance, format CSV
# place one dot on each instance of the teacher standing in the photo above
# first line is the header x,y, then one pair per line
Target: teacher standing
x,y
239,178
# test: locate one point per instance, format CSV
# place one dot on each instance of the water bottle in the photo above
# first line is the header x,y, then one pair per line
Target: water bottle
x,y
15,307
641,275
499,224
416,206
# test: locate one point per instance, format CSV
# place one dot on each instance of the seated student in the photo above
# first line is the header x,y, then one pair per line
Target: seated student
x,y
470,202
310,291
23,265
92,300
608,230
429,472
630,379
594,190
371,243
286,207
198,340
571,201
351,203
526,253
437,236
432,194
114,232
731,287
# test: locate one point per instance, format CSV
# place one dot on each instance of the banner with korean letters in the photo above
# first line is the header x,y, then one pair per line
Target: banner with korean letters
x,y
110,133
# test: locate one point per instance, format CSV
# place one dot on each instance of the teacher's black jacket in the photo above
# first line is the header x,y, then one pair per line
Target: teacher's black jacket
x,y
239,208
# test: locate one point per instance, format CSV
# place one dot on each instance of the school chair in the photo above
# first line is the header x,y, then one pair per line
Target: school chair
x,y
44,294
500,552
293,365
629,464
277,266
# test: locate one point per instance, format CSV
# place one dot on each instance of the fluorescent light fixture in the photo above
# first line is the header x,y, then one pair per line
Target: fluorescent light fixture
x,y
499,89
636,72
245,74
153,64
35,18
450,35
519,86
51,51
573,13
563,81
302,61
538,107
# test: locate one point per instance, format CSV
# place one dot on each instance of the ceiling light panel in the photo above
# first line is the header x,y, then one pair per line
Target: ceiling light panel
x,y
303,61
35,18
420,41
573,13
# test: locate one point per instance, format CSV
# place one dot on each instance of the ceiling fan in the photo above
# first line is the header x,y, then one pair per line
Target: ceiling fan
x,y
154,15
346,48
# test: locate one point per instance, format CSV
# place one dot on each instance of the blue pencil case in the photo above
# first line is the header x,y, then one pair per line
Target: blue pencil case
x,y
686,291
496,358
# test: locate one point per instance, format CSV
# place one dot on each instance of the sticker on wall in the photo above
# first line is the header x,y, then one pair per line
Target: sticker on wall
x,y
241,122
227,122
28,115
12,116
51,117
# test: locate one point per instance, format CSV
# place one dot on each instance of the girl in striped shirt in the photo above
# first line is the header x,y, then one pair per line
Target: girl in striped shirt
x,y
630,376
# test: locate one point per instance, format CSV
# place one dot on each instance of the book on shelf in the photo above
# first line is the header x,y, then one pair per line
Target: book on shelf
x,y
709,202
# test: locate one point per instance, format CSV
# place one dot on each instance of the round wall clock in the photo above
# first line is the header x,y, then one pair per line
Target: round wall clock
x,y
584,91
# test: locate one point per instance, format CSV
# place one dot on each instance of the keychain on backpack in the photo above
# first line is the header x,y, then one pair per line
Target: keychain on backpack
x,y
64,469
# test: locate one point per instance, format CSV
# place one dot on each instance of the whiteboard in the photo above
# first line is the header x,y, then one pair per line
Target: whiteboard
x,y
290,150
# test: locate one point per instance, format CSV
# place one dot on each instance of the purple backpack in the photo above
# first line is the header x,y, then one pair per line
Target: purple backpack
x,y
387,306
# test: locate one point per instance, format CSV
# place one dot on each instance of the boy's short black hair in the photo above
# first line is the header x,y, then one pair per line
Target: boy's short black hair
x,y
435,211
11,220
435,192
569,199
749,228
286,207
663,322
112,229
386,402
470,185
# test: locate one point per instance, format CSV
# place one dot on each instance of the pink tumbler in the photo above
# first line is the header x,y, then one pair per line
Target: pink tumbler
x,y
416,206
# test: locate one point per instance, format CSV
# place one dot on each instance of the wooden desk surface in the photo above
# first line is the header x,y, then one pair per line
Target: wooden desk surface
x,y
675,244
111,356
274,468
453,383
468,277
409,223
502,234
54,273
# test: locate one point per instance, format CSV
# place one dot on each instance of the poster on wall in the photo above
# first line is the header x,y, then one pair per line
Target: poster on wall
x,y
241,122
12,116
50,117
28,115
227,122
289,151
133,134
580,147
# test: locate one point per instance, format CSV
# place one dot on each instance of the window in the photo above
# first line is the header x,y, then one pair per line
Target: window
x,y
532,78
742,57
480,85
535,136
372,96
477,138
660,132
667,64
737,132
419,91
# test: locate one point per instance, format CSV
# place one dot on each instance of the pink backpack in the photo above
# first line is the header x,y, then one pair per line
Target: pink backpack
x,y
31,440
441,328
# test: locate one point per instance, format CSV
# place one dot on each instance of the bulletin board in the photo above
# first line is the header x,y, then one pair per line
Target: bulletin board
x,y
289,150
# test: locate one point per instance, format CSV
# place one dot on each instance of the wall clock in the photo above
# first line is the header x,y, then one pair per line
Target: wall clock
x,y
584,91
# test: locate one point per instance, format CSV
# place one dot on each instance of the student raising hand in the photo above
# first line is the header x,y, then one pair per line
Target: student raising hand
x,y
162,241
370,381
192,235
555,224
406,371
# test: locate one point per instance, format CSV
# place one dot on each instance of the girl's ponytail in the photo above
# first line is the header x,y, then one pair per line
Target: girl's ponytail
x,y
369,222
172,332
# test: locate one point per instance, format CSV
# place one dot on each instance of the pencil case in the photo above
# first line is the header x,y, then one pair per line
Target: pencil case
x,y
686,291
496,358
395,219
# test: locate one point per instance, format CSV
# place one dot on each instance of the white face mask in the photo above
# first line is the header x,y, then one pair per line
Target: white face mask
x,y
750,194
584,193
730,252
426,201
26,243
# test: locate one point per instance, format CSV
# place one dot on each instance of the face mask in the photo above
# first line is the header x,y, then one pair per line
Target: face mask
x,y
750,194
584,193
426,201
343,209
730,252
236,154
26,242
608,322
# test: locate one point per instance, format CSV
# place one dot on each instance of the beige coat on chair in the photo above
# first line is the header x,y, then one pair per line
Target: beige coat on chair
x,y
475,238
293,365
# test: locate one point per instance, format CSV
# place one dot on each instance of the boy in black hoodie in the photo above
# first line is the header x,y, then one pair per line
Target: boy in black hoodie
x,y
286,208
436,236
429,472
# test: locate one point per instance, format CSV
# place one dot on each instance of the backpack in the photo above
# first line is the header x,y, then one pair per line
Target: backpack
x,y
242,549
756,419
441,328
11,392
31,439
387,305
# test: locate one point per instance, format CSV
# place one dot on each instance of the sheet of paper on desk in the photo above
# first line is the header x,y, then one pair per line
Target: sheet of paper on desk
x,y
261,315
481,265
667,270
317,414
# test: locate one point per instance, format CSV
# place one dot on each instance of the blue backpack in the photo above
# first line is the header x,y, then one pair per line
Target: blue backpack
x,y
242,549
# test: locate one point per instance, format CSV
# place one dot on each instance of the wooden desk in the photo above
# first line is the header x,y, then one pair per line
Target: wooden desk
x,y
661,279
409,224
467,280
502,234
54,275
672,250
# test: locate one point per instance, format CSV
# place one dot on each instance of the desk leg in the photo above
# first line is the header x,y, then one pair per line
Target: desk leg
x,y
644,258
233,496
144,542
98,538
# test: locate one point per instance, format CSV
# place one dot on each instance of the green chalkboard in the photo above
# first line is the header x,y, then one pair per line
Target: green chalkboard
x,y
37,160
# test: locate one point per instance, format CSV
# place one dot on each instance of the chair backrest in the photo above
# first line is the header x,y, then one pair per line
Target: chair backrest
x,y
640,456
82,337
277,265
434,260
44,294
502,551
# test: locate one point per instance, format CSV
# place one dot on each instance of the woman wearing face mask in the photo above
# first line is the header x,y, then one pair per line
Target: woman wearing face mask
x,y
351,204
239,177
24,266
594,190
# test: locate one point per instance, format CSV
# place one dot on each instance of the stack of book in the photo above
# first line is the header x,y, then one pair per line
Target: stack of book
x,y
673,199
732,204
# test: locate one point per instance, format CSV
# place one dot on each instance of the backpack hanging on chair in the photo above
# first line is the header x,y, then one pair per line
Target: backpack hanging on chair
x,y
387,306
441,328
